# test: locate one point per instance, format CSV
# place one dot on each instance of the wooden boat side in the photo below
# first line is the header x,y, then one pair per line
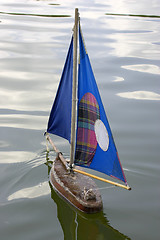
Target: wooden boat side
x,y
81,191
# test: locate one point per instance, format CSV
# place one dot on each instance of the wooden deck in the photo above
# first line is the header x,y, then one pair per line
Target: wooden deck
x,y
81,191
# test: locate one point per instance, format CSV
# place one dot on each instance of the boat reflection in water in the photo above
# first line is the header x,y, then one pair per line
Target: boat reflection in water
x,y
79,225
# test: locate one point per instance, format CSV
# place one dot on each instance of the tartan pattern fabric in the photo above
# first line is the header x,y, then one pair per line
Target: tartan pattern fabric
x,y
88,113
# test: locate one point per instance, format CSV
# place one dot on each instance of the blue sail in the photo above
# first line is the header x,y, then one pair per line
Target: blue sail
x,y
60,117
95,147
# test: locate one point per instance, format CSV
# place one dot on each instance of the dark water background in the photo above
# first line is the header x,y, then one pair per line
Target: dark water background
x,y
125,55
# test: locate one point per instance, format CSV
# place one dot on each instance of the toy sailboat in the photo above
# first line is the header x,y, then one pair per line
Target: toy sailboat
x,y
78,115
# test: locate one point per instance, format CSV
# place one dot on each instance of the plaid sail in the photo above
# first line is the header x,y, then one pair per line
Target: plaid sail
x,y
88,113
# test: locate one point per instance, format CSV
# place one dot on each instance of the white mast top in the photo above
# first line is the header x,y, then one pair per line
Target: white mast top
x,y
74,90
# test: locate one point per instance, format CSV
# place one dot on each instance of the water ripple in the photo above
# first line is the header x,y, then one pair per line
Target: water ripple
x,y
133,15
36,15
148,68
140,95
31,192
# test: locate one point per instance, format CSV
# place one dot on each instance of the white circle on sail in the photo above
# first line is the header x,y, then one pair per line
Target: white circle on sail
x,y
101,134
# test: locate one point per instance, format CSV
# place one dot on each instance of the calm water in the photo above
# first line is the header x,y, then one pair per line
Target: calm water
x,y
125,55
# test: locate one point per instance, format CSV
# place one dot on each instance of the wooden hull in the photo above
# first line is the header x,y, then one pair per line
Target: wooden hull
x,y
79,190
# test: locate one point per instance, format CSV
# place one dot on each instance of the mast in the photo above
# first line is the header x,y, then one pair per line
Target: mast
x,y
74,90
